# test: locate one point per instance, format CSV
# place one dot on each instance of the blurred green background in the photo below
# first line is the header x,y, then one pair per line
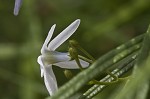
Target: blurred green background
x,y
105,24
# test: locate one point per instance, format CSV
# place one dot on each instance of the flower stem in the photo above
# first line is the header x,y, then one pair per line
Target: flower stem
x,y
85,59
75,44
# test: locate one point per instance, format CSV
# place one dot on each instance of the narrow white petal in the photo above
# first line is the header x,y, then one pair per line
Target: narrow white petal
x,y
18,4
39,60
49,77
42,71
48,38
50,80
64,35
72,64
60,57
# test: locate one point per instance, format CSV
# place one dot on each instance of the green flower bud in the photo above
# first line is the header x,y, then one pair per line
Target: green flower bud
x,y
73,53
68,73
73,43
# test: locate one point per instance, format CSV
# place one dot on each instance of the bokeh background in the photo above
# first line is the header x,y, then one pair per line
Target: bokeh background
x,y
105,24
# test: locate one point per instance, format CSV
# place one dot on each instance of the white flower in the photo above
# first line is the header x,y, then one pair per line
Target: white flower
x,y
51,57
18,4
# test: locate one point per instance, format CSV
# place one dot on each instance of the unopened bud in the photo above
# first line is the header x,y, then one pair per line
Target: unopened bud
x,y
91,82
68,74
73,53
73,43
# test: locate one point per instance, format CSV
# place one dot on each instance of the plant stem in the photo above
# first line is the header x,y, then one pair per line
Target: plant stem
x,y
85,59
140,73
128,64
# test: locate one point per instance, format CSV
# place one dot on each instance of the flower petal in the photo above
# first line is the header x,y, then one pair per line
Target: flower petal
x,y
18,4
48,38
42,71
64,35
50,80
49,77
39,60
72,64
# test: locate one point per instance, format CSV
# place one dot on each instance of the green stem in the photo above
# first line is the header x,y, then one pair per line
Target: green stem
x,y
140,73
85,59
74,55
103,83
75,44
79,64
86,53
99,88
124,66
112,75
